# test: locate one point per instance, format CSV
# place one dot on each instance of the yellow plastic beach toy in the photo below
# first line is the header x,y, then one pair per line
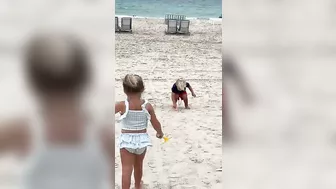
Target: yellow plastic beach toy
x,y
165,139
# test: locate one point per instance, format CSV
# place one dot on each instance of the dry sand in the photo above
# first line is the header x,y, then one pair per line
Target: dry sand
x,y
191,157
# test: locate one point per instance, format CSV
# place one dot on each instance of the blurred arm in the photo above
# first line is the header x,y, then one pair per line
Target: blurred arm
x,y
13,136
108,137
231,71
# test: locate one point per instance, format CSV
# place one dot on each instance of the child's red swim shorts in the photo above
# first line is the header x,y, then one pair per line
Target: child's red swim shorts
x,y
181,94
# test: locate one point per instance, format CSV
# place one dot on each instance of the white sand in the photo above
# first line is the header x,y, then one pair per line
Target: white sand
x,y
191,157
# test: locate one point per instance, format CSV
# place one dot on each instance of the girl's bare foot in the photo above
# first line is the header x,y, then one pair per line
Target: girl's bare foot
x,y
174,106
187,107
139,187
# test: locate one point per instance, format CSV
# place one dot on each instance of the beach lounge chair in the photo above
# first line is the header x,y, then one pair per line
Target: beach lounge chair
x,y
184,27
179,18
168,17
171,26
126,24
174,17
117,27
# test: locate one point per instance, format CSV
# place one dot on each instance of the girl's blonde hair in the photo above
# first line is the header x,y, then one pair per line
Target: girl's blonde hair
x,y
181,84
133,83
57,62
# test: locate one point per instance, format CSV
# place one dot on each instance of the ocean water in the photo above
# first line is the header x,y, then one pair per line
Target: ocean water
x,y
158,8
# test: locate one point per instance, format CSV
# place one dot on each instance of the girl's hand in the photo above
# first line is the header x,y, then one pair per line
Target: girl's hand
x,y
159,135
194,95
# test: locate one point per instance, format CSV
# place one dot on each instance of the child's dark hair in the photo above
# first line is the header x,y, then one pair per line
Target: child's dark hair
x,y
56,64
133,84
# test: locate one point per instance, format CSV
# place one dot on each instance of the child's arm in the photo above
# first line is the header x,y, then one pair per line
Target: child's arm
x,y
191,90
119,107
231,70
13,136
155,122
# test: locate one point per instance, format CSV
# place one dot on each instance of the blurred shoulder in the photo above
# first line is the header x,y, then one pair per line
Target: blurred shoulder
x,y
15,125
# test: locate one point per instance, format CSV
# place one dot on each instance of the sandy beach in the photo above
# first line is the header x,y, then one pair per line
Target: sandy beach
x,y
194,152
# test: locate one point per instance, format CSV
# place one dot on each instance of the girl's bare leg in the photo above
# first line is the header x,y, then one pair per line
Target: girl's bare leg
x,y
138,167
185,100
174,98
127,162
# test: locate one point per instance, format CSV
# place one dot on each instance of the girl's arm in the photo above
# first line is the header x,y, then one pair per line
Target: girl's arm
x,y
155,122
119,107
231,70
13,137
191,90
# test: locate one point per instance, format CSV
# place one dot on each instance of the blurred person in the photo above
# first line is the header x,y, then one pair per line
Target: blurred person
x,y
179,92
64,146
231,71
134,139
